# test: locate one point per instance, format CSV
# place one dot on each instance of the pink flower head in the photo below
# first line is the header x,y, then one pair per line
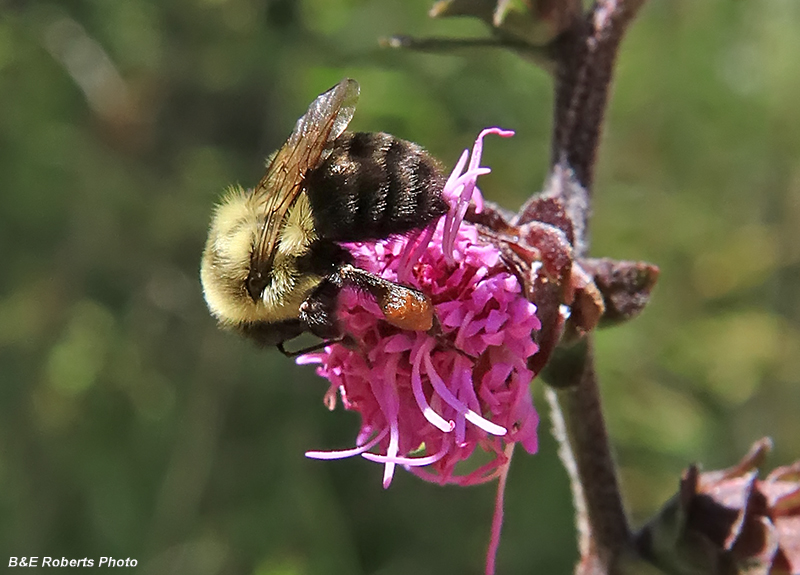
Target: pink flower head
x,y
428,401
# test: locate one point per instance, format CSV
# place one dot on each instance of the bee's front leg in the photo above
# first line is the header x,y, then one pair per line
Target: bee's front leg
x,y
318,311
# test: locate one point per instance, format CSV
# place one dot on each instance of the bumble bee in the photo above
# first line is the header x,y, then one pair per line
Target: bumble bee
x,y
274,265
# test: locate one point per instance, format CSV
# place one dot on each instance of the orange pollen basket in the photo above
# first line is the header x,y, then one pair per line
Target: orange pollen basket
x,y
408,310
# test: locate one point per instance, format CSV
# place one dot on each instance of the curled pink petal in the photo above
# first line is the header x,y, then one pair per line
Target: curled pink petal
x,y
344,453
461,187
391,408
450,399
408,461
413,252
419,396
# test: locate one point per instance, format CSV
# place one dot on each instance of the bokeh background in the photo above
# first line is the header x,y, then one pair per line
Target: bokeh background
x,y
130,426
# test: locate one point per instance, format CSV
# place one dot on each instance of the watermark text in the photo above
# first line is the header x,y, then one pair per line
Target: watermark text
x,y
65,562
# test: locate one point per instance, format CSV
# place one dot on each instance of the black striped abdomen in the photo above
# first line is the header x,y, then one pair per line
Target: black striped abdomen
x,y
374,185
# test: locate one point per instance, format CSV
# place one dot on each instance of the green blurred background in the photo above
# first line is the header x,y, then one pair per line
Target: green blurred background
x,y
130,426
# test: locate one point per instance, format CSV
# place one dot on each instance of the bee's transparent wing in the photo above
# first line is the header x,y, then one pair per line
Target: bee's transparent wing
x,y
327,117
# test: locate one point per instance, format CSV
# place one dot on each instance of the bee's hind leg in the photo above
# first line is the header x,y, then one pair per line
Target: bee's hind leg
x,y
402,306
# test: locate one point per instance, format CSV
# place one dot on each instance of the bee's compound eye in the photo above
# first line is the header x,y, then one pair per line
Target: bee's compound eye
x,y
256,282
407,309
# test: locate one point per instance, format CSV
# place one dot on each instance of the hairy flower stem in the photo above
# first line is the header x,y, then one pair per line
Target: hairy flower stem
x,y
585,55
584,61
580,429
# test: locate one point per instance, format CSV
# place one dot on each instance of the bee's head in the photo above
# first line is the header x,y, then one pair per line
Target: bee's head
x,y
241,286
227,261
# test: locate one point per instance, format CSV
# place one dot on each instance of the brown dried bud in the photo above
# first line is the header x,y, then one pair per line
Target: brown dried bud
x,y
535,22
625,286
729,521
